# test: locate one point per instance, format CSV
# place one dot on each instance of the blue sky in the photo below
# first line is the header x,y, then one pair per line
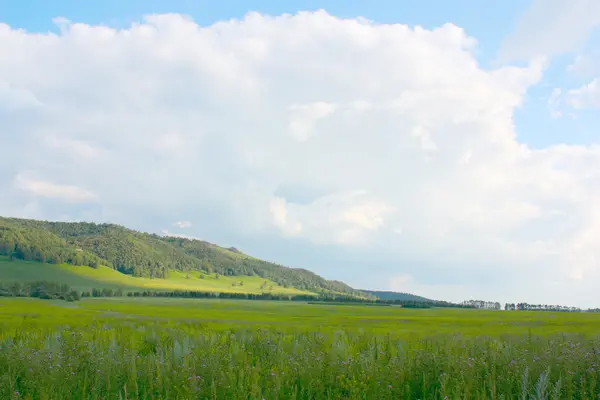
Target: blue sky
x,y
443,160
489,21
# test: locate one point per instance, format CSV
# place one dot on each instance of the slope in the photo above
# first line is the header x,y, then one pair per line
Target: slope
x,y
84,278
144,255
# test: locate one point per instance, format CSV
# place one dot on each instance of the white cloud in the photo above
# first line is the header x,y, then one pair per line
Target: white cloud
x,y
279,214
40,188
183,224
585,64
550,27
587,96
304,117
340,218
554,102
381,129
12,98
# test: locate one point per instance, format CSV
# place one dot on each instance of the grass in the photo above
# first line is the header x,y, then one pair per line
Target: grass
x,y
151,348
85,278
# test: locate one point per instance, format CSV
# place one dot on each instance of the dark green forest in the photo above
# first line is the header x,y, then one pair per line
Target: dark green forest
x,y
144,255
41,289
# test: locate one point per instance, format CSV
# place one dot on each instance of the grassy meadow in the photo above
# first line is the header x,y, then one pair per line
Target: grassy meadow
x,y
85,278
150,348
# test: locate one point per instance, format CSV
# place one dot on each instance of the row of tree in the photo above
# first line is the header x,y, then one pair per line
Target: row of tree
x,y
326,298
217,295
492,305
482,304
539,307
39,289
53,291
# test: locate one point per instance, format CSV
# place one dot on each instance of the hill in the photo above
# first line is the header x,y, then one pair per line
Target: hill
x,y
385,295
118,254
84,278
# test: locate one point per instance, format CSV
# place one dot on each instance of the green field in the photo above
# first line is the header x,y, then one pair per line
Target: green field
x,y
149,348
85,278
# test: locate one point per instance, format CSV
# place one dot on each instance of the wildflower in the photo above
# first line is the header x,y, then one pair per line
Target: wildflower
x,y
389,386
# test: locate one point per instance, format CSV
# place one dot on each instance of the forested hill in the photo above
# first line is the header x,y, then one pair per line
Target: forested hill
x,y
385,295
143,254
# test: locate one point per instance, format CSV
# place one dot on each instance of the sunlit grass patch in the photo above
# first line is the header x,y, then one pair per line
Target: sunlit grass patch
x,y
85,278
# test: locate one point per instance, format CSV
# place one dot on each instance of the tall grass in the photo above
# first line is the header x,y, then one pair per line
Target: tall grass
x,y
185,349
128,360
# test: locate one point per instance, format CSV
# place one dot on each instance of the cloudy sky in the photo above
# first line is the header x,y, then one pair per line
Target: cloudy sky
x,y
448,149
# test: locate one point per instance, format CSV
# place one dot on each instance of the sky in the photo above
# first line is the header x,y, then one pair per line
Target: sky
x,y
444,148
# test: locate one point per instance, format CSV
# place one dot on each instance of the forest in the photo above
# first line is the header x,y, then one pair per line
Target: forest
x,y
145,255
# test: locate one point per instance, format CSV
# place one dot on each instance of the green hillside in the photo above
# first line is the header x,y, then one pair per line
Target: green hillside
x,y
116,255
84,278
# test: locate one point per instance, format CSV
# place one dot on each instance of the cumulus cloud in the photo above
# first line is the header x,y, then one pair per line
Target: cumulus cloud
x,y
342,218
587,96
13,98
40,188
585,64
400,148
305,116
183,224
550,27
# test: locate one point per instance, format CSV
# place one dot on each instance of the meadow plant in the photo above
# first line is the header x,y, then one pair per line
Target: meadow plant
x,y
252,350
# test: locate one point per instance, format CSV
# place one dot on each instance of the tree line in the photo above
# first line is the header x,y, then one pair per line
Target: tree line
x,y
493,305
60,291
539,307
53,291
326,298
483,304
40,289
